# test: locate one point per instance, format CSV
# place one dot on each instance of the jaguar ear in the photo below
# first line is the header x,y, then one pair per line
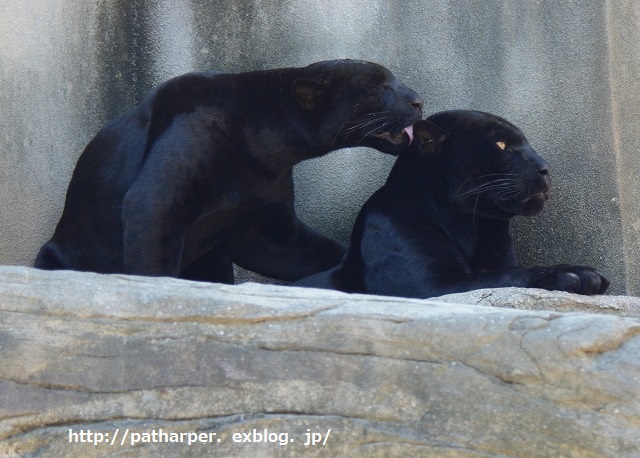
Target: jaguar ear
x,y
428,137
307,93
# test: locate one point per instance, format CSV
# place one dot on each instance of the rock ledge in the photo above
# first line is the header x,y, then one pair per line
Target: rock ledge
x,y
148,358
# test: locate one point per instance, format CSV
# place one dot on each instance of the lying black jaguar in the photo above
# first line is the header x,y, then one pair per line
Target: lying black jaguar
x,y
199,175
440,224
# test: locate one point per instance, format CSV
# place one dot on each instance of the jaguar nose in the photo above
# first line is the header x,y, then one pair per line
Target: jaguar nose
x,y
417,102
543,172
543,168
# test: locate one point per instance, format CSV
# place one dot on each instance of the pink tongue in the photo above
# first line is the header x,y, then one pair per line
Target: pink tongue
x,y
409,131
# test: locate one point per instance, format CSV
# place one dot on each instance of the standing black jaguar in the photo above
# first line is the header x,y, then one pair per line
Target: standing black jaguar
x,y
440,224
200,174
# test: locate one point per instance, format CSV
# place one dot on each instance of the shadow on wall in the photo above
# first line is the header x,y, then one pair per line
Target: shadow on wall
x,y
563,72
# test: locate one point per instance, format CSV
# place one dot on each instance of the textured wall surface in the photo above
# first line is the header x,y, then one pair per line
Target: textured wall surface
x,y
563,71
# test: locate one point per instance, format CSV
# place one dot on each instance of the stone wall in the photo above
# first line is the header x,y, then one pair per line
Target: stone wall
x,y
564,71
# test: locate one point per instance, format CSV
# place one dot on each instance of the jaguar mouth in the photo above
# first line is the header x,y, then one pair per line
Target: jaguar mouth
x,y
529,206
397,138
534,204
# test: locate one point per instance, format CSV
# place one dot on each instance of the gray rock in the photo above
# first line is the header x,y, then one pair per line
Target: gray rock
x,y
362,375
540,299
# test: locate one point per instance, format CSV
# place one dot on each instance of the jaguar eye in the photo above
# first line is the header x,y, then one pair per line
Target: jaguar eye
x,y
502,145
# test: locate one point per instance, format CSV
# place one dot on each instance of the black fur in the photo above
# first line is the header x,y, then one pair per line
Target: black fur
x,y
440,224
199,175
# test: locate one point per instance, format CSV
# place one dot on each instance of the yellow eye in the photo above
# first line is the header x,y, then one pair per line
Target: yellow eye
x,y
502,145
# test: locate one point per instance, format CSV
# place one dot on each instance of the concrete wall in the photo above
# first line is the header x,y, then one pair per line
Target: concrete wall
x,y
562,70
